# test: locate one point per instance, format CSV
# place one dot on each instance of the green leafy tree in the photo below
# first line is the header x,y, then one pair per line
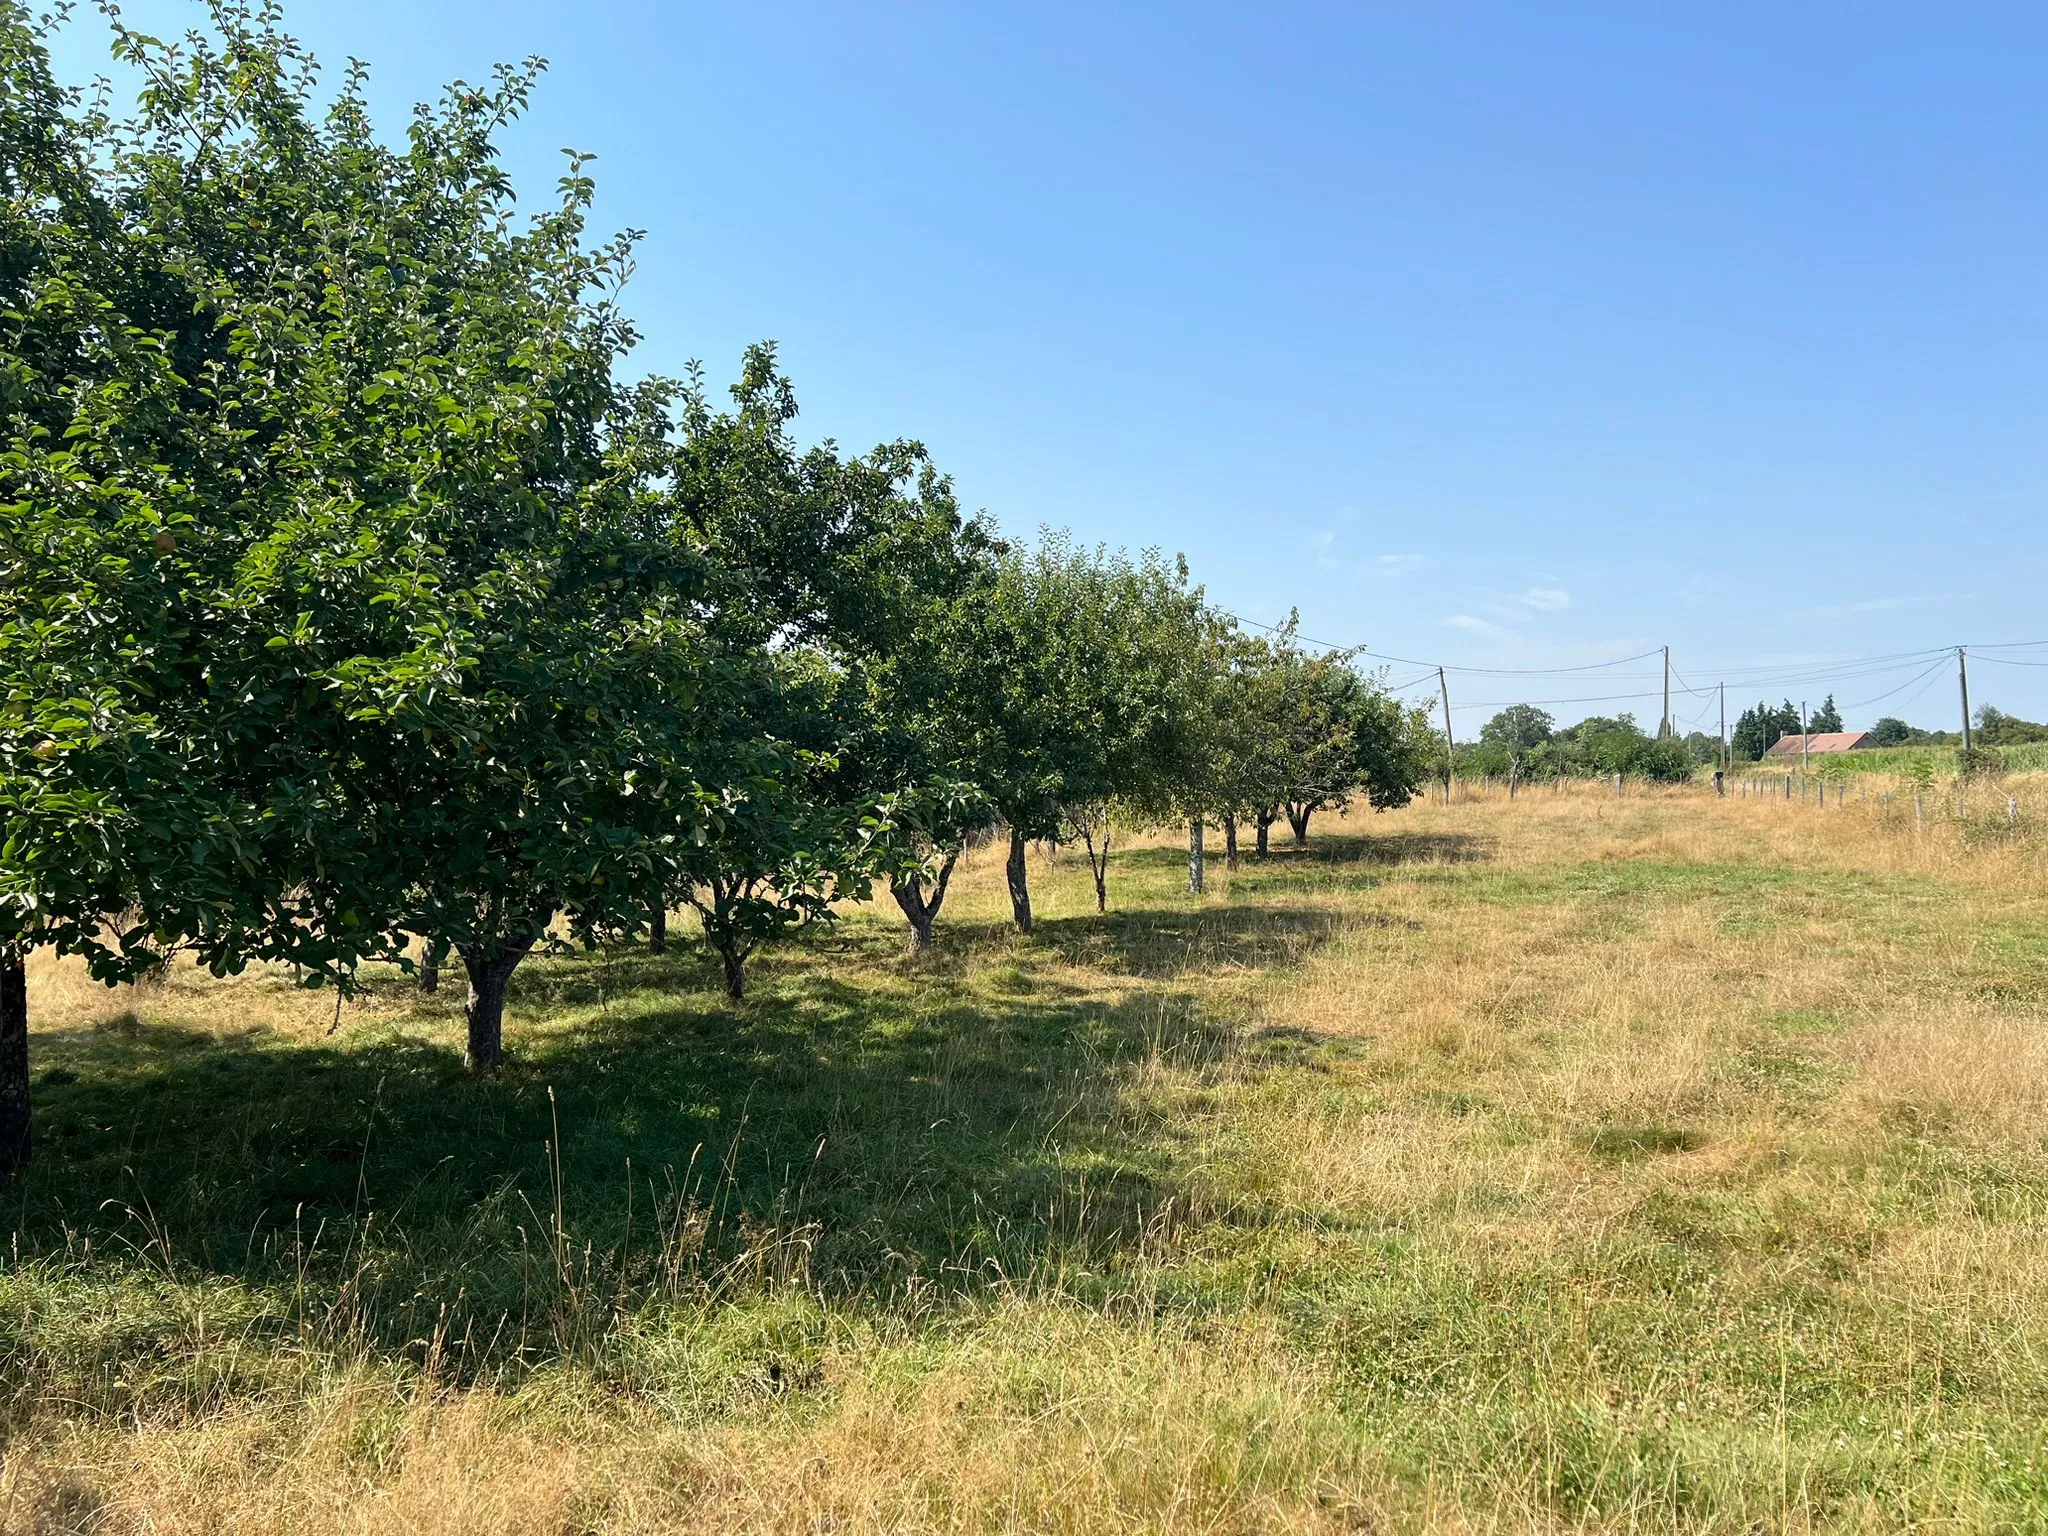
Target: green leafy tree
x,y
1079,658
1826,719
147,430
1309,732
1520,728
457,644
853,575
1760,727
1996,728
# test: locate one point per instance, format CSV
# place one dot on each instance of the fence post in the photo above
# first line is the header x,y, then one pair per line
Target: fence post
x,y
1919,813
1617,786
1720,784
2012,810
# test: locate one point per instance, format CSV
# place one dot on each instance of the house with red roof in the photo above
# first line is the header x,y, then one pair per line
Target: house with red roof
x,y
1796,745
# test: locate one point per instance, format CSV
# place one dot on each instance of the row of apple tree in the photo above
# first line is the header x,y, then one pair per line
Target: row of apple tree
x,y
357,603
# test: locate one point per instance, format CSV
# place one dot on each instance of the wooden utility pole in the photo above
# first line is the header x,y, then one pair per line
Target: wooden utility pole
x,y
1963,679
1450,746
1724,727
1665,728
1805,742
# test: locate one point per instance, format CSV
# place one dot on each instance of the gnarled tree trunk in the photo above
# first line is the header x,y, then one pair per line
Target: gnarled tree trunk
x,y
657,927
732,960
1297,819
1020,889
14,1123
430,965
1267,817
920,909
1230,842
1098,860
1195,858
490,967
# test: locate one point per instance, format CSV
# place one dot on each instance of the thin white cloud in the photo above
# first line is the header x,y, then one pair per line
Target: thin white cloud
x,y
1547,599
1400,565
1478,626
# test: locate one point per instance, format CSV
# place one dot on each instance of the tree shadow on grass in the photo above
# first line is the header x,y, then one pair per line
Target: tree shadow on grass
x,y
1389,848
1171,943
874,1136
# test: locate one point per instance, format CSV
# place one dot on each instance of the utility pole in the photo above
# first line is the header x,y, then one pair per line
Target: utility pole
x,y
1724,727
1665,728
1450,746
1963,678
1805,744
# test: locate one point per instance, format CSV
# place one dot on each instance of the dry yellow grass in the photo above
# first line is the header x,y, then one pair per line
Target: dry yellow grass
x,y
1568,1163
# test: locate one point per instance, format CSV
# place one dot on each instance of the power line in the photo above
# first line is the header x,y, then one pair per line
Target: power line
x,y
1930,670
1766,677
1411,661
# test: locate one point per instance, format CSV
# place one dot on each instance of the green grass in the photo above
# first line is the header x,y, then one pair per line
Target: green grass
x,y
1472,1166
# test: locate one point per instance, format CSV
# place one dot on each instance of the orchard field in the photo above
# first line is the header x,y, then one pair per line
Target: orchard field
x,y
1568,1162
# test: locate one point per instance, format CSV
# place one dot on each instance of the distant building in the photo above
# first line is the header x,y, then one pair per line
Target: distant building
x,y
1825,741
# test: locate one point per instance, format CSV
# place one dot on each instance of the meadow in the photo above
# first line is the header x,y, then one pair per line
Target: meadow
x,y
1567,1162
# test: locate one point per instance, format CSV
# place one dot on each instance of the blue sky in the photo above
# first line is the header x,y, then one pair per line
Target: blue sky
x,y
1511,338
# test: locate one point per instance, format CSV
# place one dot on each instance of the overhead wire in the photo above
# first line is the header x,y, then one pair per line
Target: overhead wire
x,y
1929,671
1763,677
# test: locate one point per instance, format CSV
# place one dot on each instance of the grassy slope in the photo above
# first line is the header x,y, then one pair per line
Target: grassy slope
x,y
1566,1162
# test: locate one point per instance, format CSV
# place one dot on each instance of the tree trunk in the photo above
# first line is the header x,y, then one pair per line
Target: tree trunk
x,y
922,910
1099,867
1230,842
1020,889
1195,870
1297,819
734,964
657,927
14,1126
909,896
490,968
430,965
1265,831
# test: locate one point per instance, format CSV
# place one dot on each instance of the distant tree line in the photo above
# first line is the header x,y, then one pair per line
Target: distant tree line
x,y
1762,726
355,607
1523,740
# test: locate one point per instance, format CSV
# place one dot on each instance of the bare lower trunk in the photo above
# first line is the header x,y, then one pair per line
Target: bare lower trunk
x,y
490,967
1297,820
1195,861
1020,889
657,928
433,955
1266,819
733,961
1230,842
1098,863
14,1122
922,910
